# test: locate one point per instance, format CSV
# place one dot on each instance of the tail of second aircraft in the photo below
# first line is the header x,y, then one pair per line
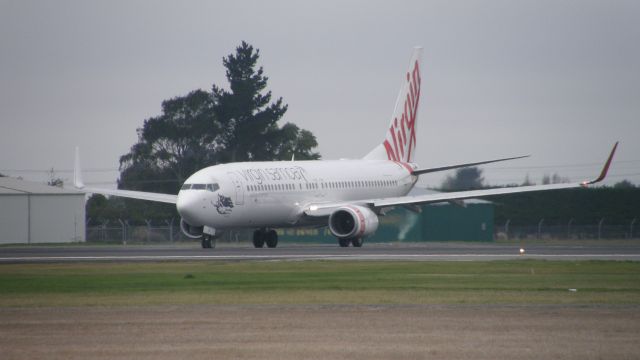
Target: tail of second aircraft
x,y
400,141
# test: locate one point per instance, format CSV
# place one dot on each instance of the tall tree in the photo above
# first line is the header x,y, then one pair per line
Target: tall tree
x,y
173,145
205,128
624,184
208,128
249,118
464,179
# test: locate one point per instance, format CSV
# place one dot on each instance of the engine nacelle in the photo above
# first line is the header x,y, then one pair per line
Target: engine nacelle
x,y
190,231
352,221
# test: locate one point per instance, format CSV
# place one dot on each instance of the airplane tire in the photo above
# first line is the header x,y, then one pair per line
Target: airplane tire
x,y
258,238
357,242
343,242
271,238
207,241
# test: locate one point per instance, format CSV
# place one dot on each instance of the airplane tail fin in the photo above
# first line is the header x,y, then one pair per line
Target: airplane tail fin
x,y
400,141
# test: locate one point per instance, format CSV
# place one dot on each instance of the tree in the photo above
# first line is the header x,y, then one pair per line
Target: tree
x,y
527,181
624,184
464,179
101,209
205,128
554,179
172,146
249,119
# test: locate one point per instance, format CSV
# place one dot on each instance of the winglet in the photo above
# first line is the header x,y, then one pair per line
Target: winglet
x,y
77,172
605,169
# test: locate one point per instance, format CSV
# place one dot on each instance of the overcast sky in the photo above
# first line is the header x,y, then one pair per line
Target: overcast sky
x,y
559,80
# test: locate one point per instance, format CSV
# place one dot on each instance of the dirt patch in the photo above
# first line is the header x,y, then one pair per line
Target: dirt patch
x,y
321,332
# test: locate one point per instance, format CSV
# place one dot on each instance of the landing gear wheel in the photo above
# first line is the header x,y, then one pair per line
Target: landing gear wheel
x,y
343,242
357,242
271,238
258,238
208,242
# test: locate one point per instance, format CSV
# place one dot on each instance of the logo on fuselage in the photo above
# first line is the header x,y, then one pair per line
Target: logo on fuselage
x,y
224,205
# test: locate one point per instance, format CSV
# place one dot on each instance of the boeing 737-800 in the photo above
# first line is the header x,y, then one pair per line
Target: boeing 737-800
x,y
345,195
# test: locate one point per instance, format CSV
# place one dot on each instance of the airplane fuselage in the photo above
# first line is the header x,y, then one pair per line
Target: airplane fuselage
x,y
274,194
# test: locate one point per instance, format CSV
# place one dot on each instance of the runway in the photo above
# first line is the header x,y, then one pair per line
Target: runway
x,y
443,251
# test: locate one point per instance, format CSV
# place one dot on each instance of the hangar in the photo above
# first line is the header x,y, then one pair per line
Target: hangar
x,y
37,213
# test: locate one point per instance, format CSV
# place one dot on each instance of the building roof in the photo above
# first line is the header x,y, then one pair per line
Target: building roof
x,y
13,186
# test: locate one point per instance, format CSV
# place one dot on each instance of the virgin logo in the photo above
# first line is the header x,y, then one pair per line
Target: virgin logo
x,y
401,138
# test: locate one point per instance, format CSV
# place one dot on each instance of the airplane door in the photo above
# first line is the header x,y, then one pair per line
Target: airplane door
x,y
238,187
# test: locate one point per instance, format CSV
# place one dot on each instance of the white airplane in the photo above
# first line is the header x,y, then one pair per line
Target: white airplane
x,y
345,195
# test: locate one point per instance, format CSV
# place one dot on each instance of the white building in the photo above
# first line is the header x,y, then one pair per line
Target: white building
x,y
37,213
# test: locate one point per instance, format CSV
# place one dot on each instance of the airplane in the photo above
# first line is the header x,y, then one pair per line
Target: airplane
x,y
348,196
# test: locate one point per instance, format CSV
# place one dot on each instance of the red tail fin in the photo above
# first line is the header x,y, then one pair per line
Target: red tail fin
x,y
400,141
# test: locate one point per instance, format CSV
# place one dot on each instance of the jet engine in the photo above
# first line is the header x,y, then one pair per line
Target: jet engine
x,y
193,232
352,222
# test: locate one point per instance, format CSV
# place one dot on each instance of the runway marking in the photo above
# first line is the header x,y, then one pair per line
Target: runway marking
x,y
315,257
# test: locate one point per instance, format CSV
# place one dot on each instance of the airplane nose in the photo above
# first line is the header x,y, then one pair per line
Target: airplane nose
x,y
187,206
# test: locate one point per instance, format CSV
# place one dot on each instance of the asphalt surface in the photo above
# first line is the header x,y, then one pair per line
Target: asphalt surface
x,y
396,251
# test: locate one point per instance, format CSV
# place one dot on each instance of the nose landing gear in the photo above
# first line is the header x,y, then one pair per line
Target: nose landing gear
x,y
209,236
262,236
208,241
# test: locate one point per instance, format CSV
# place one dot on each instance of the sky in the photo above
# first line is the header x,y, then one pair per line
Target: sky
x,y
559,80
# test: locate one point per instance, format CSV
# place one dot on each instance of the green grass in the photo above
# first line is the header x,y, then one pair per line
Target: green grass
x,y
320,282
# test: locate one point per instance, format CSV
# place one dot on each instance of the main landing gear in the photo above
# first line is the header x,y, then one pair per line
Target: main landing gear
x,y
264,236
208,241
357,242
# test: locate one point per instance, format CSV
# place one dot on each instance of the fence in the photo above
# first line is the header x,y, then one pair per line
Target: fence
x,y
568,230
164,231
168,231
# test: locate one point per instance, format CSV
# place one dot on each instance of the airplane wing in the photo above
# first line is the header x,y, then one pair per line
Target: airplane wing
x,y
141,195
325,209
78,184
450,167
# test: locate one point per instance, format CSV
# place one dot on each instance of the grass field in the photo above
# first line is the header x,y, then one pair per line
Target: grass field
x,y
320,282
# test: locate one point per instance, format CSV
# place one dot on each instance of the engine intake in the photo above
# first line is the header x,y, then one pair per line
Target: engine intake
x,y
190,231
353,221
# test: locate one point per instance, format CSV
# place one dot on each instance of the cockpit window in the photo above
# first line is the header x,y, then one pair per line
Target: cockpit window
x,y
185,187
198,186
213,187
